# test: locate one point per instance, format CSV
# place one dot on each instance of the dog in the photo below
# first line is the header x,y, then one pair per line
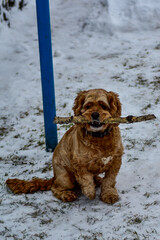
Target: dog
x,y
85,151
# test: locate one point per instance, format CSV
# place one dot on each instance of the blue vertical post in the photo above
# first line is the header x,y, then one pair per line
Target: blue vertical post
x,y
47,78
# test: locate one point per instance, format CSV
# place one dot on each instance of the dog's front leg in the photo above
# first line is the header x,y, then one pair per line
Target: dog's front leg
x,y
86,181
109,193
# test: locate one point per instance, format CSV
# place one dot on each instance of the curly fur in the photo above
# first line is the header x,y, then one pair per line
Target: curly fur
x,y
80,157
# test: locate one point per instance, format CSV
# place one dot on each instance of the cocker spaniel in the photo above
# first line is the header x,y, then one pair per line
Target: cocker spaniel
x,y
85,151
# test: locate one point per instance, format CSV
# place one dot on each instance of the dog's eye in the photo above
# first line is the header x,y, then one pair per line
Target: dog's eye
x,y
104,106
88,106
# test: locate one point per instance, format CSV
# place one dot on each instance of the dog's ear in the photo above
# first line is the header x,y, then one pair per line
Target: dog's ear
x,y
115,105
78,103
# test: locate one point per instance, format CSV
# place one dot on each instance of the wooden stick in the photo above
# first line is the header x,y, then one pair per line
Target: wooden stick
x,y
128,119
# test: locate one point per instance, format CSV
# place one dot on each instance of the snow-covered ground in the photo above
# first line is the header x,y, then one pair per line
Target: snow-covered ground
x,y
113,45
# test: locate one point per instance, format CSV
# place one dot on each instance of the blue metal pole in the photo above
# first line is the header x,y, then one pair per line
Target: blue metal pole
x,y
47,78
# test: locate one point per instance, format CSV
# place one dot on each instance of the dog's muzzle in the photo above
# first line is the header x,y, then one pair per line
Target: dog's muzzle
x,y
96,124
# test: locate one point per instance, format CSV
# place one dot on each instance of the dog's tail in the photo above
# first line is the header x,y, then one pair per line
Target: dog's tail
x,y
21,186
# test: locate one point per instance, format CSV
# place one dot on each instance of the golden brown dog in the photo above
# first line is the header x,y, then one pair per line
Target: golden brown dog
x,y
84,152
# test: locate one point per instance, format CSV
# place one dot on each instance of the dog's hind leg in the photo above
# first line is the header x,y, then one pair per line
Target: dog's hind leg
x,y
63,185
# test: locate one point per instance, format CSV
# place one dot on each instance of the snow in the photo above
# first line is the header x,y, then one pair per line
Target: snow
x,y
96,44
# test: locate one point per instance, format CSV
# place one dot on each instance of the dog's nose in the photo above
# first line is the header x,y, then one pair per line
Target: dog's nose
x,y
95,115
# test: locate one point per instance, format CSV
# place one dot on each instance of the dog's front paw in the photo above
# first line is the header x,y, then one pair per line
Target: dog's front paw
x,y
89,192
110,195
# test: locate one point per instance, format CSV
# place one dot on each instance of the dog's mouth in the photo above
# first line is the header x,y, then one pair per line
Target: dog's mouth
x,y
96,126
